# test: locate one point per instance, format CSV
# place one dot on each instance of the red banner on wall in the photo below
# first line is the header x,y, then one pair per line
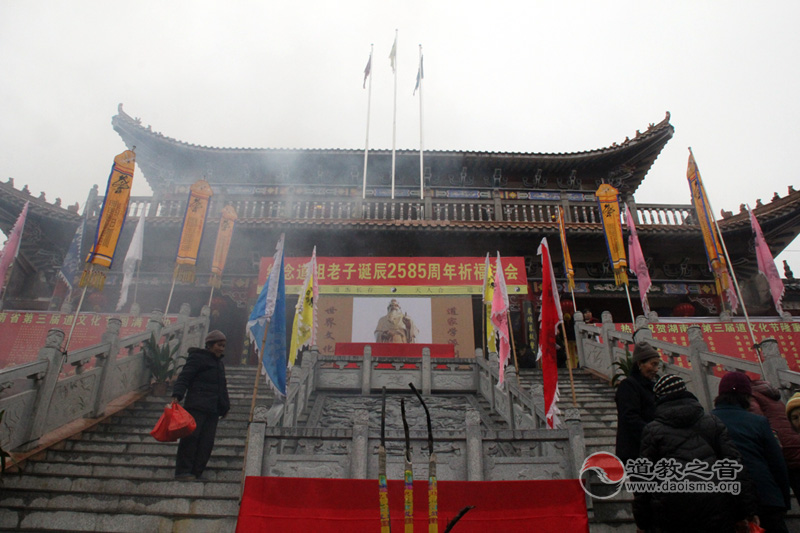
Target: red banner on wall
x,y
23,333
732,338
398,275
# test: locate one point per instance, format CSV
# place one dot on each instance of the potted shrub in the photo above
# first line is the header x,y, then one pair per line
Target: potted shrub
x,y
161,362
624,368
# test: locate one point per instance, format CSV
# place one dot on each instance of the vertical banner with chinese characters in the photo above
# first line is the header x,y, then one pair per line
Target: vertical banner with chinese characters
x,y
111,219
192,231
608,202
224,236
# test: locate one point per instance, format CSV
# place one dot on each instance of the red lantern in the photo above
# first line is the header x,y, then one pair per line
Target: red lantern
x,y
684,309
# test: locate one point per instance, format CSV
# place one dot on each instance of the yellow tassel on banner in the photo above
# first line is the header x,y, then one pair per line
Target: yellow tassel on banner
x,y
93,278
184,273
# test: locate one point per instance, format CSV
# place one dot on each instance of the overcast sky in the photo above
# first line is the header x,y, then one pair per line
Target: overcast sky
x,y
523,76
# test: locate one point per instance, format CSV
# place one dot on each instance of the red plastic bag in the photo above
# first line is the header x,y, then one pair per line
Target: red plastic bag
x,y
175,423
755,528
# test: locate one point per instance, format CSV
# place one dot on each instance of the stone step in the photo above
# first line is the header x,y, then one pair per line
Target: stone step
x,y
232,439
139,487
155,448
164,459
233,431
70,520
165,471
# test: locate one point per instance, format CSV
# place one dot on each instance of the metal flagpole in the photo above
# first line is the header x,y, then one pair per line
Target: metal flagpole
x,y
210,297
630,305
136,282
394,109
513,347
421,164
569,364
75,318
369,104
169,300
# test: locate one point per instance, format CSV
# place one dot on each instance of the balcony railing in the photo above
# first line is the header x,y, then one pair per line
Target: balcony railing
x,y
453,210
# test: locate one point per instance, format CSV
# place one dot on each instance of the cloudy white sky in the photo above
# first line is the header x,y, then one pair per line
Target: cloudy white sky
x,y
527,76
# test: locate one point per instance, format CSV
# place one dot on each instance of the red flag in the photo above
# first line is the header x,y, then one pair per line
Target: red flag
x,y
550,319
637,263
11,247
766,264
500,318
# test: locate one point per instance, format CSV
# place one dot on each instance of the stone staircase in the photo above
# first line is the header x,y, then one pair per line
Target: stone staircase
x,y
116,477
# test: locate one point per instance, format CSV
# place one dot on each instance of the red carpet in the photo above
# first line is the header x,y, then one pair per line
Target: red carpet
x,y
334,505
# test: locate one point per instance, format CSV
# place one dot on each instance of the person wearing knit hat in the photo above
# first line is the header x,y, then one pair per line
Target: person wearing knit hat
x,y
667,385
636,403
761,454
682,431
202,381
793,411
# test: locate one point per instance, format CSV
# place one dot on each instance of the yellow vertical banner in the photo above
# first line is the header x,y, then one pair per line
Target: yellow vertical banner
x,y
565,250
192,231
224,236
111,219
711,239
607,198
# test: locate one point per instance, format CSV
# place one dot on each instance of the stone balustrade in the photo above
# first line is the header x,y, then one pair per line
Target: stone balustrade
x,y
601,345
62,387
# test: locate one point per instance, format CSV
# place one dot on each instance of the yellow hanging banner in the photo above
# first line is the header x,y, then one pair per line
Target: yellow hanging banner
x,y
607,198
562,231
224,236
110,222
192,231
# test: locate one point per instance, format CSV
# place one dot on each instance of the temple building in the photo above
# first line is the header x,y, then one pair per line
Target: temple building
x,y
468,204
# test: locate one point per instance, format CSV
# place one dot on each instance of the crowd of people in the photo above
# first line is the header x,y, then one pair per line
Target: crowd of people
x,y
659,420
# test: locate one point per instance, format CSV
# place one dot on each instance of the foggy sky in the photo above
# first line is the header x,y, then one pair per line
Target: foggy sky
x,y
513,77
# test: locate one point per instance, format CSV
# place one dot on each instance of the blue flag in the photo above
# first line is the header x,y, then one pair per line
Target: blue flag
x,y
270,309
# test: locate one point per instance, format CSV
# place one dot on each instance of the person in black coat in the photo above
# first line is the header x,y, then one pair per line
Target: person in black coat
x,y
202,381
683,432
761,453
636,404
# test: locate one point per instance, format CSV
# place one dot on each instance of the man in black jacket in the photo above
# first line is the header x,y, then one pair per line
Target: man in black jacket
x,y
202,381
636,404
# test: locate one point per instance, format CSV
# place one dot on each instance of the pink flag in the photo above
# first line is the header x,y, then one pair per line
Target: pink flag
x,y
636,260
766,264
500,318
550,318
11,247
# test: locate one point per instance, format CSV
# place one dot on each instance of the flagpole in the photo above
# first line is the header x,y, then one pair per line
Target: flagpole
x,y
630,305
75,317
136,283
210,296
366,142
732,274
421,164
569,364
166,310
484,331
394,112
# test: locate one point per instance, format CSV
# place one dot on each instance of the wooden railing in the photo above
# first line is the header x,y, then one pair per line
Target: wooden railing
x,y
435,209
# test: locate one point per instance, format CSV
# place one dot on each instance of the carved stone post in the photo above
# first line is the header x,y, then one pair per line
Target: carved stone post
x,y
576,445
642,330
427,377
428,215
474,446
359,448
607,328
107,362
255,459
154,324
366,370
578,320
700,386
45,385
773,362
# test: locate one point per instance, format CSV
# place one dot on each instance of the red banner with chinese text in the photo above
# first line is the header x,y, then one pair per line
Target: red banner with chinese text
x,y
424,276
24,332
732,338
